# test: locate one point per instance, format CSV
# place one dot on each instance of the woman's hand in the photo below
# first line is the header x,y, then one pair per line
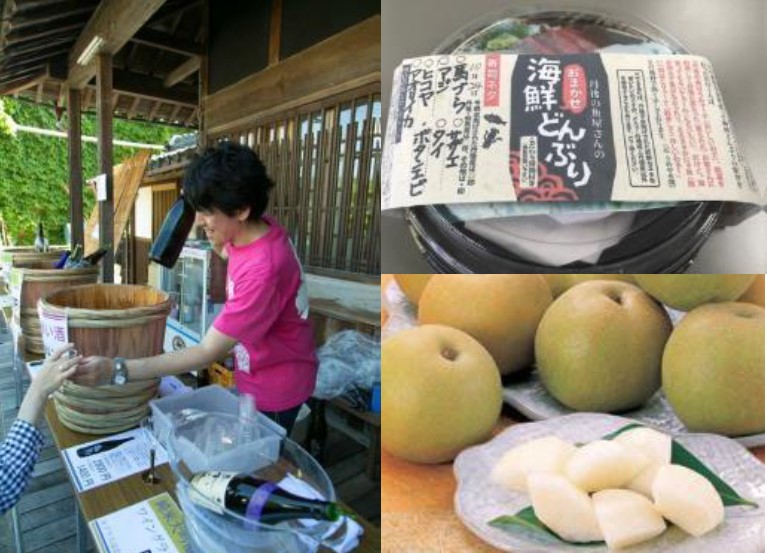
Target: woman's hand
x,y
94,371
56,369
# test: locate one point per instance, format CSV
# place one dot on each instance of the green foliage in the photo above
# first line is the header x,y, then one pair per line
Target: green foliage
x,y
34,169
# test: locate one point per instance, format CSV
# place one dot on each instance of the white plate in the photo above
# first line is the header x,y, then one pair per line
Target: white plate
x,y
478,500
530,398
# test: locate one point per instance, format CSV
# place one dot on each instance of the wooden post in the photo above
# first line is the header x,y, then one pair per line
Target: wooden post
x,y
75,168
106,207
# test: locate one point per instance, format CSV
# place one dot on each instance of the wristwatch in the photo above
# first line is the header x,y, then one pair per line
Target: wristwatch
x,y
119,371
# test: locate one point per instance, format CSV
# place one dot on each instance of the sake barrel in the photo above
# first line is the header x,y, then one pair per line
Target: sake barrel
x,y
10,255
31,280
109,320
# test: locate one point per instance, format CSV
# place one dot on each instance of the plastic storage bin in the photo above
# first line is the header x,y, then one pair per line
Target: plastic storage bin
x,y
210,399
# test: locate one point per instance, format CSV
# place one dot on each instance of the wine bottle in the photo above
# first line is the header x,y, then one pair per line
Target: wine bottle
x,y
41,244
62,260
173,233
257,499
95,257
75,258
100,447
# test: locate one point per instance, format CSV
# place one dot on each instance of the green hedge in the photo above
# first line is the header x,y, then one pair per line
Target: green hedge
x,y
34,169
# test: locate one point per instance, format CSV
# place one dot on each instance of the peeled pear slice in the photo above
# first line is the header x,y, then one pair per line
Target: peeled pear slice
x,y
549,454
604,464
687,499
654,445
626,518
563,508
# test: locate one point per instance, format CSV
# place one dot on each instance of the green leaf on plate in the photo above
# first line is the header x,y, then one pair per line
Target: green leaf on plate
x,y
683,457
526,519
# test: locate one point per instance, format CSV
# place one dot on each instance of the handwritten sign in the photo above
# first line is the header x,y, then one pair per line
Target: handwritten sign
x,y
53,327
155,525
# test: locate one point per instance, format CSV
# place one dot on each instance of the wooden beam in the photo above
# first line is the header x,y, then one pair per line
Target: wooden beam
x,y
16,73
323,70
37,46
147,87
40,92
62,96
74,9
17,85
202,135
275,26
115,21
174,113
104,134
75,167
54,32
154,110
133,106
191,119
192,65
32,58
169,43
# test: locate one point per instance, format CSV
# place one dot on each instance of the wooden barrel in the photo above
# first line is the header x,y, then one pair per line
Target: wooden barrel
x,y
37,279
11,255
109,320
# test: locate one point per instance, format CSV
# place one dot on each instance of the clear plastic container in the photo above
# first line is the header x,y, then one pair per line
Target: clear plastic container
x,y
210,399
603,238
229,443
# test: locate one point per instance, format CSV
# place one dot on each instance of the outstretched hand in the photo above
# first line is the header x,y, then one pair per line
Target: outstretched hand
x,y
93,371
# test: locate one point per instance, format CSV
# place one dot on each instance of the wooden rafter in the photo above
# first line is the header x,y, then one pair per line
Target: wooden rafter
x,y
115,21
62,95
16,73
192,117
15,86
174,113
51,33
162,53
155,108
275,25
74,9
133,107
167,42
190,66
139,85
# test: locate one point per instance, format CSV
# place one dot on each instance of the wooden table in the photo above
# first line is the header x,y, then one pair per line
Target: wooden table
x,y
106,499
417,513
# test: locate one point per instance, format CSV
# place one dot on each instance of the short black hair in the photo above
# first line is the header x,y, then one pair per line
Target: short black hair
x,y
228,177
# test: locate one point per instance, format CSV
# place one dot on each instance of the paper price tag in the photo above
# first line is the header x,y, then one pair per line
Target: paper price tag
x,y
53,327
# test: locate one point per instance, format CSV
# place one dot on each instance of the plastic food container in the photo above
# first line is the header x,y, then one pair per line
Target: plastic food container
x,y
599,239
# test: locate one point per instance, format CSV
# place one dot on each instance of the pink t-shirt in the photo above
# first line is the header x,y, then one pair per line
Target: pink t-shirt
x,y
267,312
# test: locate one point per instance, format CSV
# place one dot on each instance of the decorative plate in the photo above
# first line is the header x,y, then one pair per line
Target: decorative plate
x,y
478,500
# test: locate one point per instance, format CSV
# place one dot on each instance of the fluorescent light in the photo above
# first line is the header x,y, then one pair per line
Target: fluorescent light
x,y
90,50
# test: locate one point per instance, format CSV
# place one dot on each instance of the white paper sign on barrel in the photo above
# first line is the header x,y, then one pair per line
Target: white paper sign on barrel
x,y
53,328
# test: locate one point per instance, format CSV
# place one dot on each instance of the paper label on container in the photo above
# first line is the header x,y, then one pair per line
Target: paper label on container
x,y
53,327
154,525
548,128
100,462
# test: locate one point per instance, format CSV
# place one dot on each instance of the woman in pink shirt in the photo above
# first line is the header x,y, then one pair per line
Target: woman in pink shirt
x,y
265,317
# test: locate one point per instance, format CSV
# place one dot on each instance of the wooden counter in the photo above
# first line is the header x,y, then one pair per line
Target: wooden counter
x,y
417,506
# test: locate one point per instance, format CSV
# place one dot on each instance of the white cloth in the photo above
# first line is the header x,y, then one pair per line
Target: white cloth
x,y
351,538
